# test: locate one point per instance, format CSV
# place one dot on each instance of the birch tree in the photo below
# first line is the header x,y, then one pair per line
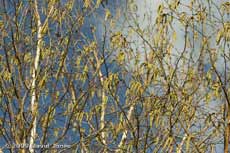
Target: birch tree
x,y
114,76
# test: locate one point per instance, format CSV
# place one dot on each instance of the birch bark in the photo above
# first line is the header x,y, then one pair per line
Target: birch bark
x,y
34,76
34,97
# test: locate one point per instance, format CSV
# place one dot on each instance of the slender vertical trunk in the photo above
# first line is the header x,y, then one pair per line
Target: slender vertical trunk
x,y
227,129
34,97
124,135
73,92
179,149
34,101
103,100
103,108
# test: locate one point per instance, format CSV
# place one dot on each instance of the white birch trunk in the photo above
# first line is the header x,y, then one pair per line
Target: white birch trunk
x,y
34,102
179,149
125,133
34,76
103,108
103,99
